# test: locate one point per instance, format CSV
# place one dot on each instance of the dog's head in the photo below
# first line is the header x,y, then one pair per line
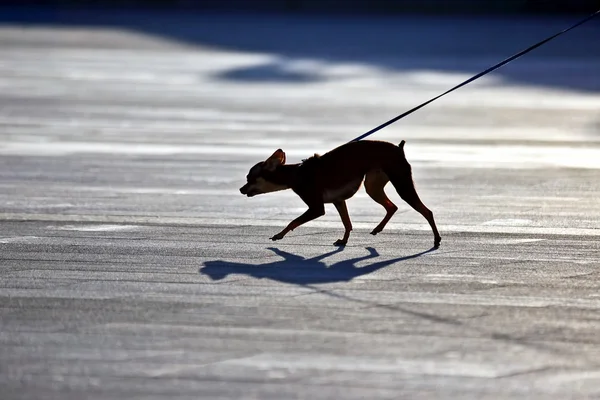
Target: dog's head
x,y
260,178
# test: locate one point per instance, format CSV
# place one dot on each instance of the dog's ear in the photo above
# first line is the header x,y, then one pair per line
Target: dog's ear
x,y
276,159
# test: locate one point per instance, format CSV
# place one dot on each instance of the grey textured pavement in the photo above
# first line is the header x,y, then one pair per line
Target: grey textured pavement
x,y
131,267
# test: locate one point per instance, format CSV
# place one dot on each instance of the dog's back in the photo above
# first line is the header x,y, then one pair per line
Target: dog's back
x,y
355,159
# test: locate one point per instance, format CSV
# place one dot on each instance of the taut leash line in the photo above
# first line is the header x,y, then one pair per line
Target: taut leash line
x,y
479,75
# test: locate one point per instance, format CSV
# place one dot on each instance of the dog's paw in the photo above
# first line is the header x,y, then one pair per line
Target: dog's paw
x,y
279,236
340,242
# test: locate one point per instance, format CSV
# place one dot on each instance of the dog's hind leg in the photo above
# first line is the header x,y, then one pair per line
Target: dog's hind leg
x,y
406,189
374,184
343,210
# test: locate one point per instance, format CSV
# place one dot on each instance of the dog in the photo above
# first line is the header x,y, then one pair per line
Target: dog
x,y
335,177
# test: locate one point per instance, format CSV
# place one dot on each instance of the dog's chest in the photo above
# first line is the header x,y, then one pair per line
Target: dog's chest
x,y
343,192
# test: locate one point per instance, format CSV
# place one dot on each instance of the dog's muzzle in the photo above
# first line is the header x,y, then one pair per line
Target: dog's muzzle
x,y
245,190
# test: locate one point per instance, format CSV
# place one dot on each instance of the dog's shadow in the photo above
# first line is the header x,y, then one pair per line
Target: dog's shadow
x,y
298,270
307,272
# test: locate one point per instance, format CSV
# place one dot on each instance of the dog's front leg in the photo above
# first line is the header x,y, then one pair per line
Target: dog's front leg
x,y
313,212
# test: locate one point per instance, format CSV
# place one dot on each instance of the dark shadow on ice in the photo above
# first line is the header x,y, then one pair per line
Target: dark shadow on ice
x,y
275,71
452,43
298,270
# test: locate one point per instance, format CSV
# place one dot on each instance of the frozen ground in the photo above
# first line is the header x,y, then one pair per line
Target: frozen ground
x,y
132,268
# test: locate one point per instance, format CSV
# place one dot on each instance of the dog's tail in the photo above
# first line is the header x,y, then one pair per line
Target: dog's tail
x,y
401,146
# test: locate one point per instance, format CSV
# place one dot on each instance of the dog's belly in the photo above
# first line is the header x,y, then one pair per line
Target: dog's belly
x,y
341,193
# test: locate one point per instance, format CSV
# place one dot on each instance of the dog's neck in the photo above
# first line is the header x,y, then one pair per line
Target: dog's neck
x,y
284,174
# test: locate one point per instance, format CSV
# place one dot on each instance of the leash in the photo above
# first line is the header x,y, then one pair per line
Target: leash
x,y
479,75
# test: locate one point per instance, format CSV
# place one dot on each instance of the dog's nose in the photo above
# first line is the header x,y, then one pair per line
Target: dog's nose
x,y
243,189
